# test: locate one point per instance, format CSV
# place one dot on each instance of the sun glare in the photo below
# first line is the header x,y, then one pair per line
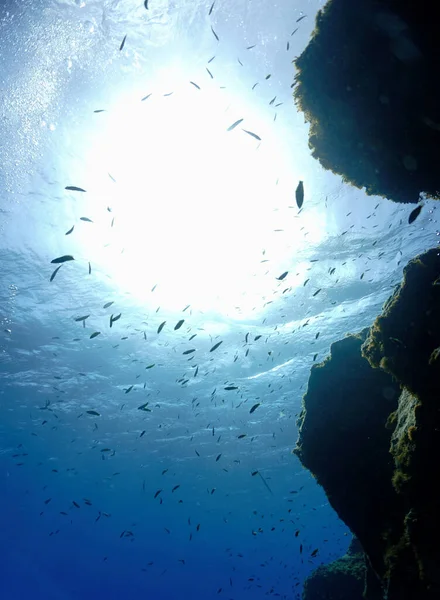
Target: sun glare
x,y
191,207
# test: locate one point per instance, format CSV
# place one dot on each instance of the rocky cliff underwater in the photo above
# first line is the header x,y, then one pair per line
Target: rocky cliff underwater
x,y
370,423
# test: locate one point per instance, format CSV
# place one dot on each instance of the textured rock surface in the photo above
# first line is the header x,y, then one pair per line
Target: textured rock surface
x,y
367,83
342,579
370,434
343,440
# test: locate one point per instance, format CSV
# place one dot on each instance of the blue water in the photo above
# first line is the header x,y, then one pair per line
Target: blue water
x,y
197,209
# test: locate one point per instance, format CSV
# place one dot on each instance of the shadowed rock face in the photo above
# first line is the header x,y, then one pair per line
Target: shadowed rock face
x,y
343,440
368,85
342,579
370,434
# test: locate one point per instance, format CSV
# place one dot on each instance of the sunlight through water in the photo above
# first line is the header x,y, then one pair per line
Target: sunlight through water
x,y
193,208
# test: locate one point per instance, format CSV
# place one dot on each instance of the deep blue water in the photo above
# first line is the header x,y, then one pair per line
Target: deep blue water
x,y
203,217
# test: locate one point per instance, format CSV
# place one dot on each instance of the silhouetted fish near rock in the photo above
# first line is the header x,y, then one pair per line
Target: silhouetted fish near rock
x,y
299,194
413,216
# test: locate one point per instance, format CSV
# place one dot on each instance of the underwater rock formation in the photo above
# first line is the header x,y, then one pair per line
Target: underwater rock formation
x,y
343,438
404,341
343,579
370,434
368,85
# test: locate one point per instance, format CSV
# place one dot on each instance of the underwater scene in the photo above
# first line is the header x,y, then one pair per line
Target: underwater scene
x,y
219,300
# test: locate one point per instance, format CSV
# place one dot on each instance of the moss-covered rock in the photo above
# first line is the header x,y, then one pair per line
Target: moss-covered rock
x,y
370,433
404,341
368,85
344,442
343,579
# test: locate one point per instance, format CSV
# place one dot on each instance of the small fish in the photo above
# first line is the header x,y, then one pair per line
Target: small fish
x,y
145,97
93,413
218,457
100,110
95,334
144,407
254,135
299,194
195,85
146,4
114,319
128,390
315,552
150,366
74,188
281,277
79,319
70,230
75,504
189,351
301,18
121,47
234,125
176,487
52,277
242,435
212,8
216,346
268,76
255,85
179,324
413,216
294,31
143,433
209,72
86,219
211,59
62,259
157,493
317,292
161,326
215,35
231,387
254,408
250,47
287,46
108,304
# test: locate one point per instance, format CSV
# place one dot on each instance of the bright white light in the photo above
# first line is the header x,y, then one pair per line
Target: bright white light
x,y
194,205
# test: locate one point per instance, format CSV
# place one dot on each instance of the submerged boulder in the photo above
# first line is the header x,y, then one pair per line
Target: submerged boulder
x,y
344,442
370,434
343,579
368,85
